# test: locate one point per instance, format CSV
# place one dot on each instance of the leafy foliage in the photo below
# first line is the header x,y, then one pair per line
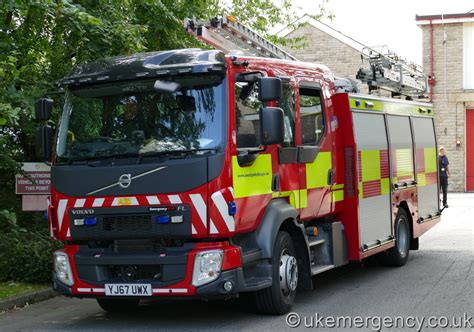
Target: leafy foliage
x,y
25,254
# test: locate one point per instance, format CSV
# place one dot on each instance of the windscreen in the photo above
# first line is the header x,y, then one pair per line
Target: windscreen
x,y
142,117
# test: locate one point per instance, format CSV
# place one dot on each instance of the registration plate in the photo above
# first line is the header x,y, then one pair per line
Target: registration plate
x,y
128,290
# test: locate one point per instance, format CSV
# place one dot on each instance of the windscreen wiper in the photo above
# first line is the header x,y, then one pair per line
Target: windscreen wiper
x,y
87,160
172,153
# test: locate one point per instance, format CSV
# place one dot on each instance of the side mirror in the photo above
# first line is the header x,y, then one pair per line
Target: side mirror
x,y
270,88
43,109
272,126
44,138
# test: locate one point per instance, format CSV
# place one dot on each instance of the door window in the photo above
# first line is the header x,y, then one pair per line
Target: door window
x,y
287,104
312,116
247,108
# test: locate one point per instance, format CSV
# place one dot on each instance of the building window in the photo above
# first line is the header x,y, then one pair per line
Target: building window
x,y
468,56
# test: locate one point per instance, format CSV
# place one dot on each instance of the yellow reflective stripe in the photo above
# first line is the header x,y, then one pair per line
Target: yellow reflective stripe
x,y
431,159
317,171
303,198
390,107
252,180
421,179
365,103
404,162
370,161
298,198
337,186
385,186
371,175
337,196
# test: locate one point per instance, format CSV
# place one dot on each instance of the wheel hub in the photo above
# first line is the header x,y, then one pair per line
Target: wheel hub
x,y
288,273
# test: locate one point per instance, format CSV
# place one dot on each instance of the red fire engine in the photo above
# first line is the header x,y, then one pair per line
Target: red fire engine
x,y
191,173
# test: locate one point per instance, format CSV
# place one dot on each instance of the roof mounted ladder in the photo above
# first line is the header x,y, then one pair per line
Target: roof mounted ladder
x,y
228,35
388,71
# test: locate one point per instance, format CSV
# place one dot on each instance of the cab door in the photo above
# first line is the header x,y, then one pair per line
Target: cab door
x,y
314,150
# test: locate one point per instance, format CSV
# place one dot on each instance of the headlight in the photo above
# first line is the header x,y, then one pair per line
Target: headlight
x,y
207,266
63,268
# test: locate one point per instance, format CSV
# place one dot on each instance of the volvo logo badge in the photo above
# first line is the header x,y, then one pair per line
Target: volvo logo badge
x,y
125,180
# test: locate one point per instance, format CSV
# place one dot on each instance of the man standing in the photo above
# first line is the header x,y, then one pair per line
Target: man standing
x,y
443,174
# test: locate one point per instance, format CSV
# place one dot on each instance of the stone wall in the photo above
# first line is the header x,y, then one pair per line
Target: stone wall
x,y
449,99
322,48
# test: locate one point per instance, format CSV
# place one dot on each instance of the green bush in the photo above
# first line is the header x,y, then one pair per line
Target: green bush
x,y
25,254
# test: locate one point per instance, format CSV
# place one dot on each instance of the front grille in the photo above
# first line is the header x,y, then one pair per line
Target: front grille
x,y
127,223
144,245
114,223
128,273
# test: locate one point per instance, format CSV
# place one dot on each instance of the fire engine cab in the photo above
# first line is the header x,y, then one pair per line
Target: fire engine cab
x,y
195,173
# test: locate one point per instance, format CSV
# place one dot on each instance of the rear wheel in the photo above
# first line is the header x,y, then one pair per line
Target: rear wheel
x,y
398,255
118,305
279,298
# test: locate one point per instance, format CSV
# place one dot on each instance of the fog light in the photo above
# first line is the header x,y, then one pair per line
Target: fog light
x,y
228,286
78,222
176,219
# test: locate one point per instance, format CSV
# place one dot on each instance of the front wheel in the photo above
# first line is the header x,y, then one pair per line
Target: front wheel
x,y
118,305
398,255
278,299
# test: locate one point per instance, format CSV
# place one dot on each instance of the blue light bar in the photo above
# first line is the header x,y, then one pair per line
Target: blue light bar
x,y
164,219
90,221
232,208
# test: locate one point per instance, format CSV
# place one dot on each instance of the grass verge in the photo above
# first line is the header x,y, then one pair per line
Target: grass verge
x,y
10,289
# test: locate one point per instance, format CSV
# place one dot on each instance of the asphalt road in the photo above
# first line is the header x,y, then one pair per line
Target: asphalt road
x,y
436,282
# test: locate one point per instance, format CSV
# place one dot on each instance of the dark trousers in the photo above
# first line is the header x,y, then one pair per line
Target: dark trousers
x,y
443,182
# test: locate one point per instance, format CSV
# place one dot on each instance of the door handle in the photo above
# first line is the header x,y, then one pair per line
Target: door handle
x,y
276,182
330,177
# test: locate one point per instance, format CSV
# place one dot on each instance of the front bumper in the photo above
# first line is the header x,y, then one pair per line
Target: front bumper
x,y
231,272
214,289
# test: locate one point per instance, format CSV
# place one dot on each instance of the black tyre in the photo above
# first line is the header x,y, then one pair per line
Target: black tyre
x,y
398,255
278,299
118,305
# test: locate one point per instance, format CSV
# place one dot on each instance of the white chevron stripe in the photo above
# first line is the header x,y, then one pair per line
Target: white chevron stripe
x,y
68,234
80,203
174,199
223,208
153,200
213,228
61,209
200,207
193,229
231,191
98,202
